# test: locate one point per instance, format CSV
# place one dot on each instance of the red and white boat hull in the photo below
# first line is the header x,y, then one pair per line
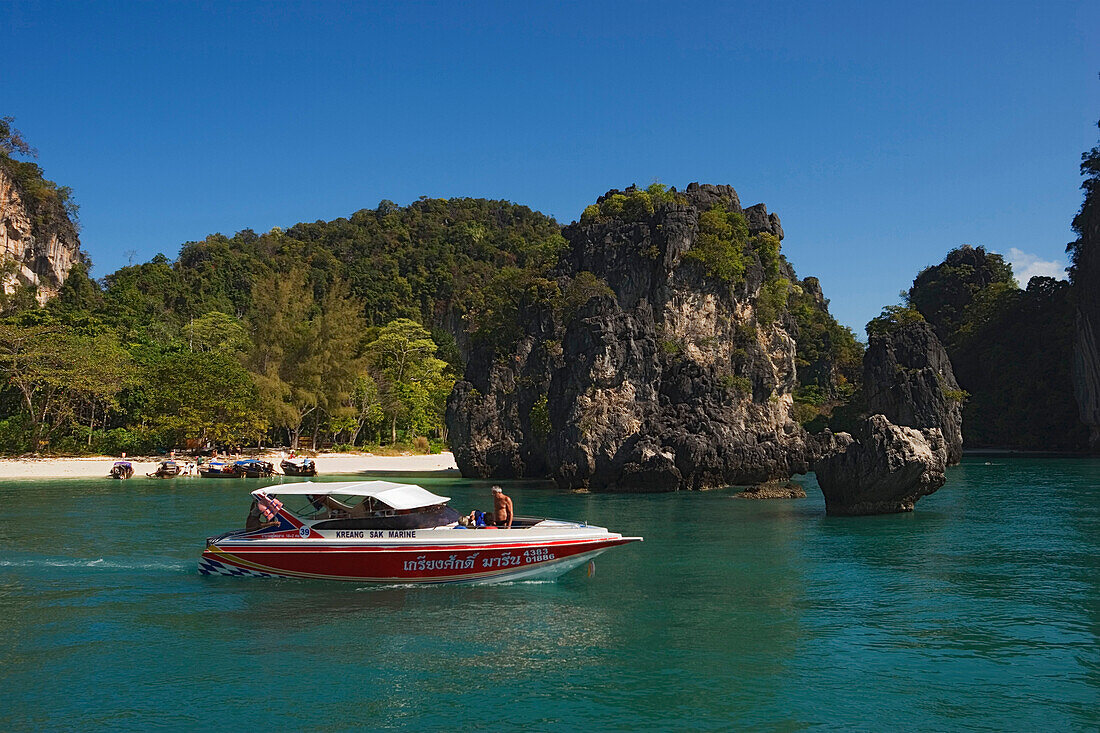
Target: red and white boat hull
x,y
475,562
325,541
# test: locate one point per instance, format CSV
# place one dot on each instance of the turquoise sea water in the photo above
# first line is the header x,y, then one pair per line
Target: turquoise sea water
x,y
980,611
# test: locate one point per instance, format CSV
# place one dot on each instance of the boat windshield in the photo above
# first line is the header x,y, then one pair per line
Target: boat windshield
x,y
339,506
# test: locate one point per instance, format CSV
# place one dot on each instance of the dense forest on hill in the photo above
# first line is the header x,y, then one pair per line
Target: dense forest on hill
x,y
350,331
334,330
353,331
1011,347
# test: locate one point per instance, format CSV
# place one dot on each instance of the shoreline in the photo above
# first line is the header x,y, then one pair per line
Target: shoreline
x,y
442,464
1017,452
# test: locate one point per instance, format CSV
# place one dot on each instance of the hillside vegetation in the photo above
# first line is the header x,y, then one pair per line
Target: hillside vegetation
x,y
351,331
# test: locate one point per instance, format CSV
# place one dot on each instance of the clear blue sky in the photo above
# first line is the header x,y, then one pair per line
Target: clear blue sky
x,y
883,134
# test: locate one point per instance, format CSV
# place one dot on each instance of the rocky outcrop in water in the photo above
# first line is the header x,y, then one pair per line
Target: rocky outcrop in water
x,y
651,371
907,377
40,245
773,490
883,469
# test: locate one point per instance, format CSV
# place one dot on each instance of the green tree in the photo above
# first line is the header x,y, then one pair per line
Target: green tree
x,y
11,140
892,318
333,347
403,360
720,246
50,205
56,371
206,397
288,381
1083,250
79,296
365,408
217,332
942,293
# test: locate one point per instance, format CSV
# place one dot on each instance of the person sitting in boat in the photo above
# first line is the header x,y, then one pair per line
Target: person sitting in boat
x,y
502,508
477,519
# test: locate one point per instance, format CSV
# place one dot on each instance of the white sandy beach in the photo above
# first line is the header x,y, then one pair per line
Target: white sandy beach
x,y
327,463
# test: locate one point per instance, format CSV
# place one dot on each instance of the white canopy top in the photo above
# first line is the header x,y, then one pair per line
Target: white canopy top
x,y
397,496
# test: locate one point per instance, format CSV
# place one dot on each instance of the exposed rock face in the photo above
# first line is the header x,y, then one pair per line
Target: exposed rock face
x,y
42,248
907,377
1085,276
489,414
662,379
1086,369
884,469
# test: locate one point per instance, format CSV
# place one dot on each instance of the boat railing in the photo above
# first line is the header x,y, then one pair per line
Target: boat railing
x,y
532,521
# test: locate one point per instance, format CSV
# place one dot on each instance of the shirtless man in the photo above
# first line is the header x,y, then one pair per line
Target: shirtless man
x,y
502,508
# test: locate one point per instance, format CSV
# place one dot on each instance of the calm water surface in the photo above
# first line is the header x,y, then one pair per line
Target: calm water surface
x,y
980,611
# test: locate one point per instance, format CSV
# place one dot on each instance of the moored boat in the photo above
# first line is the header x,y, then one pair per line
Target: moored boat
x,y
384,532
166,469
122,470
254,468
220,469
299,466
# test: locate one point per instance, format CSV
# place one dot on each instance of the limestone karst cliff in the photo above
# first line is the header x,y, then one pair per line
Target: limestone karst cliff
x,y
667,361
1085,275
38,240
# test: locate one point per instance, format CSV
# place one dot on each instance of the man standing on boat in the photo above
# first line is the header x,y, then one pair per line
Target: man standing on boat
x,y
502,508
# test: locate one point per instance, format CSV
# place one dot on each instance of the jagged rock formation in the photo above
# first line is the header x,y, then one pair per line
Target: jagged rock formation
x,y
884,469
496,418
651,373
1086,369
907,377
39,246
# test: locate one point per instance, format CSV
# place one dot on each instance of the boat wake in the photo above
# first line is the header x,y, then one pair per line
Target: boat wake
x,y
98,563
467,584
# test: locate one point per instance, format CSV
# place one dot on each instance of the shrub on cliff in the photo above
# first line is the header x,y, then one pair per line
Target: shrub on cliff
x,y
829,357
720,247
583,287
892,318
51,205
634,204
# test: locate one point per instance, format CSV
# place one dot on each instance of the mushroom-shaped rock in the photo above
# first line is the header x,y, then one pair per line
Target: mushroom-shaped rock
x,y
907,376
884,469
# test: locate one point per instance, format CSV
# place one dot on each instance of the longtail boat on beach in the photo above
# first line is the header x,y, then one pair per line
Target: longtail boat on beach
x,y
299,466
220,469
166,469
254,468
122,470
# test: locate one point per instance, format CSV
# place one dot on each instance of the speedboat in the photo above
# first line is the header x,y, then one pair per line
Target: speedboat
x,y
385,532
